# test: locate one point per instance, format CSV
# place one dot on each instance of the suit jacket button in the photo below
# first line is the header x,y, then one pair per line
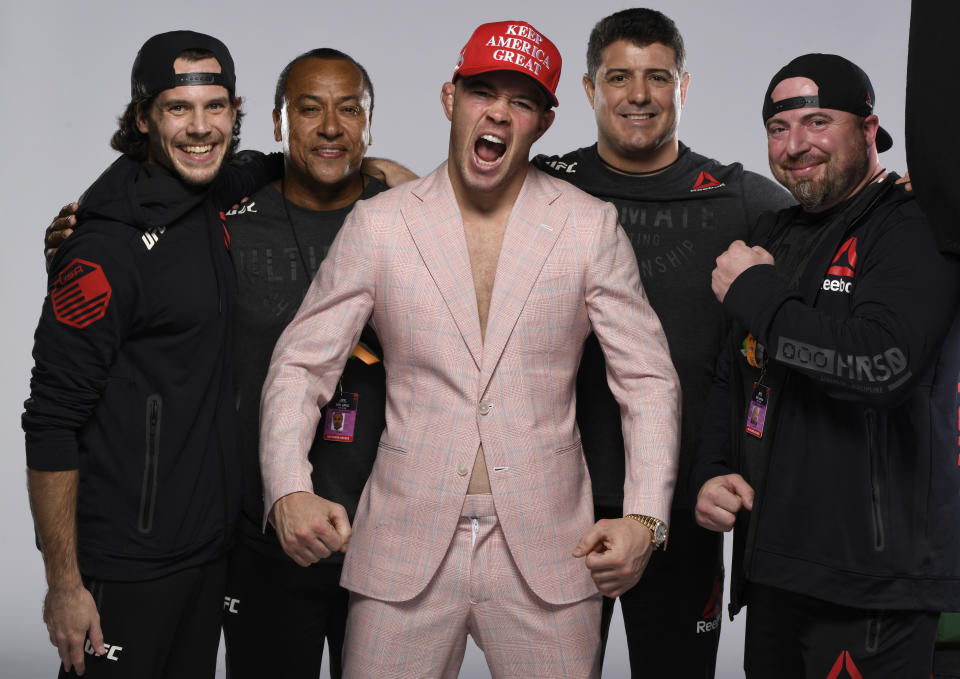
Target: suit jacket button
x,y
462,469
485,408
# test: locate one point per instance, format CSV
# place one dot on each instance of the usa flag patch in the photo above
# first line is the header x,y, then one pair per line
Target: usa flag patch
x,y
80,294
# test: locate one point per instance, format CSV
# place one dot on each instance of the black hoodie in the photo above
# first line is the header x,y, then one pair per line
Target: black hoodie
x,y
131,384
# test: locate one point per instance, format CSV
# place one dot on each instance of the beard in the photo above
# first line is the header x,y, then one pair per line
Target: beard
x,y
842,172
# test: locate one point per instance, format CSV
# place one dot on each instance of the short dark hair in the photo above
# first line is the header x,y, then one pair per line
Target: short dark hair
x,y
319,53
638,25
128,139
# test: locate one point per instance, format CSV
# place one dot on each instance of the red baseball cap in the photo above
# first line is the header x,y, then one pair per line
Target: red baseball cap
x,y
511,46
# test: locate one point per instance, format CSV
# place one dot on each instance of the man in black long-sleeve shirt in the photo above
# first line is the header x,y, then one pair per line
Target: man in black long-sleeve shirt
x,y
830,436
130,424
680,210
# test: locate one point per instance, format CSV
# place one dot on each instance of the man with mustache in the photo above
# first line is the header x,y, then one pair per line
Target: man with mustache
x,y
845,488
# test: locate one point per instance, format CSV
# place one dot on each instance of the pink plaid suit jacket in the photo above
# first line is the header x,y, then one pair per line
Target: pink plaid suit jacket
x,y
401,260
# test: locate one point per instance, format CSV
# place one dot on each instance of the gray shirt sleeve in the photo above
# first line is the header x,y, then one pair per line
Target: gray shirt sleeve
x,y
762,195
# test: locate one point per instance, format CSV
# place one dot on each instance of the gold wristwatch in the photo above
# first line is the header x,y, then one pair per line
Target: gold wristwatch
x,y
658,529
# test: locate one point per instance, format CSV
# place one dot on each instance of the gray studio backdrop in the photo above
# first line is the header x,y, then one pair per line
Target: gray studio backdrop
x,y
65,78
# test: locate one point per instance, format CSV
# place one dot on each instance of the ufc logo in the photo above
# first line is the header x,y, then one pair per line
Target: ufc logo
x,y
231,605
111,654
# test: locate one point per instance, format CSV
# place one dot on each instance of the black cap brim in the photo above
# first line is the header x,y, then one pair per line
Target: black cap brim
x,y
884,140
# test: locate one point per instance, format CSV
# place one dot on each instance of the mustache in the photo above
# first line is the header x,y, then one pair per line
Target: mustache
x,y
805,159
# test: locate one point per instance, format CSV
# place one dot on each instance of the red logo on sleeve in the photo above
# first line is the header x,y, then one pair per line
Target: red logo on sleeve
x,y
80,294
705,181
844,266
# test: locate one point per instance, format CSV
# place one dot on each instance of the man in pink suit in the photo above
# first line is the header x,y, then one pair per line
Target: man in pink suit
x,y
482,280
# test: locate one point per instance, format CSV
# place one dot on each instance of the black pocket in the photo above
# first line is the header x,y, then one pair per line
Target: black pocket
x,y
148,493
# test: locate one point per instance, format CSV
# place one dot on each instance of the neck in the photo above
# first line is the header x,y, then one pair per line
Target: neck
x,y
639,162
486,204
313,195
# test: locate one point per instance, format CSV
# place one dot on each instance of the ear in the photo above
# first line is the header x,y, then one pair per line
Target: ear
x,y
277,125
546,120
142,124
446,99
870,126
684,84
589,88
237,103
370,129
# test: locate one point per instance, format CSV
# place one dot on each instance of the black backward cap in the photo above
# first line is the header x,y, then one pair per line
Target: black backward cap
x,y
842,86
153,68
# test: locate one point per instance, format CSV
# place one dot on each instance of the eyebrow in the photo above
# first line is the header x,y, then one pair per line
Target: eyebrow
x,y
186,102
624,69
319,100
819,113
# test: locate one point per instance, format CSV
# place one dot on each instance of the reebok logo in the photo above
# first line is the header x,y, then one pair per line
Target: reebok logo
x,y
843,266
151,236
845,261
711,611
706,181
844,661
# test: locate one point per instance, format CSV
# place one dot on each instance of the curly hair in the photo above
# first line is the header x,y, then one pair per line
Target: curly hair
x,y
128,139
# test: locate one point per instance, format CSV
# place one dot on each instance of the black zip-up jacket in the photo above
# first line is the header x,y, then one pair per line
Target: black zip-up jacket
x,y
132,383
857,475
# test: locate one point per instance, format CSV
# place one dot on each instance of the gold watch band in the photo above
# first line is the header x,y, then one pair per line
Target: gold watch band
x,y
656,527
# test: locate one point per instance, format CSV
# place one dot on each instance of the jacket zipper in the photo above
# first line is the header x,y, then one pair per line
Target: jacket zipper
x,y
873,453
148,493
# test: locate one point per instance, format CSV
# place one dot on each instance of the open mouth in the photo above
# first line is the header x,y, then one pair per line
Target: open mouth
x,y
637,116
489,149
197,151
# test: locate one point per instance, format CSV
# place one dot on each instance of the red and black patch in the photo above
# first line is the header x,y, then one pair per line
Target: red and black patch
x,y
226,231
845,260
705,181
844,662
80,294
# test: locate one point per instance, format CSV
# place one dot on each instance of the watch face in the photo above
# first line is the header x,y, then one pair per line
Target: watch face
x,y
659,534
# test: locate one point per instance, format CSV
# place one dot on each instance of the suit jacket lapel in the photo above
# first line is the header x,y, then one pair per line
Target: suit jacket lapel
x,y
433,220
537,220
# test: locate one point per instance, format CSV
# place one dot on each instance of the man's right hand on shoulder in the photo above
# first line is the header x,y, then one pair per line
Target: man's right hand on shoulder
x,y
720,499
309,527
71,617
61,227
389,172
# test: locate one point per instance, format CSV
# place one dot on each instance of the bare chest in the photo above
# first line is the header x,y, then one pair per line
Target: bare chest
x,y
484,241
